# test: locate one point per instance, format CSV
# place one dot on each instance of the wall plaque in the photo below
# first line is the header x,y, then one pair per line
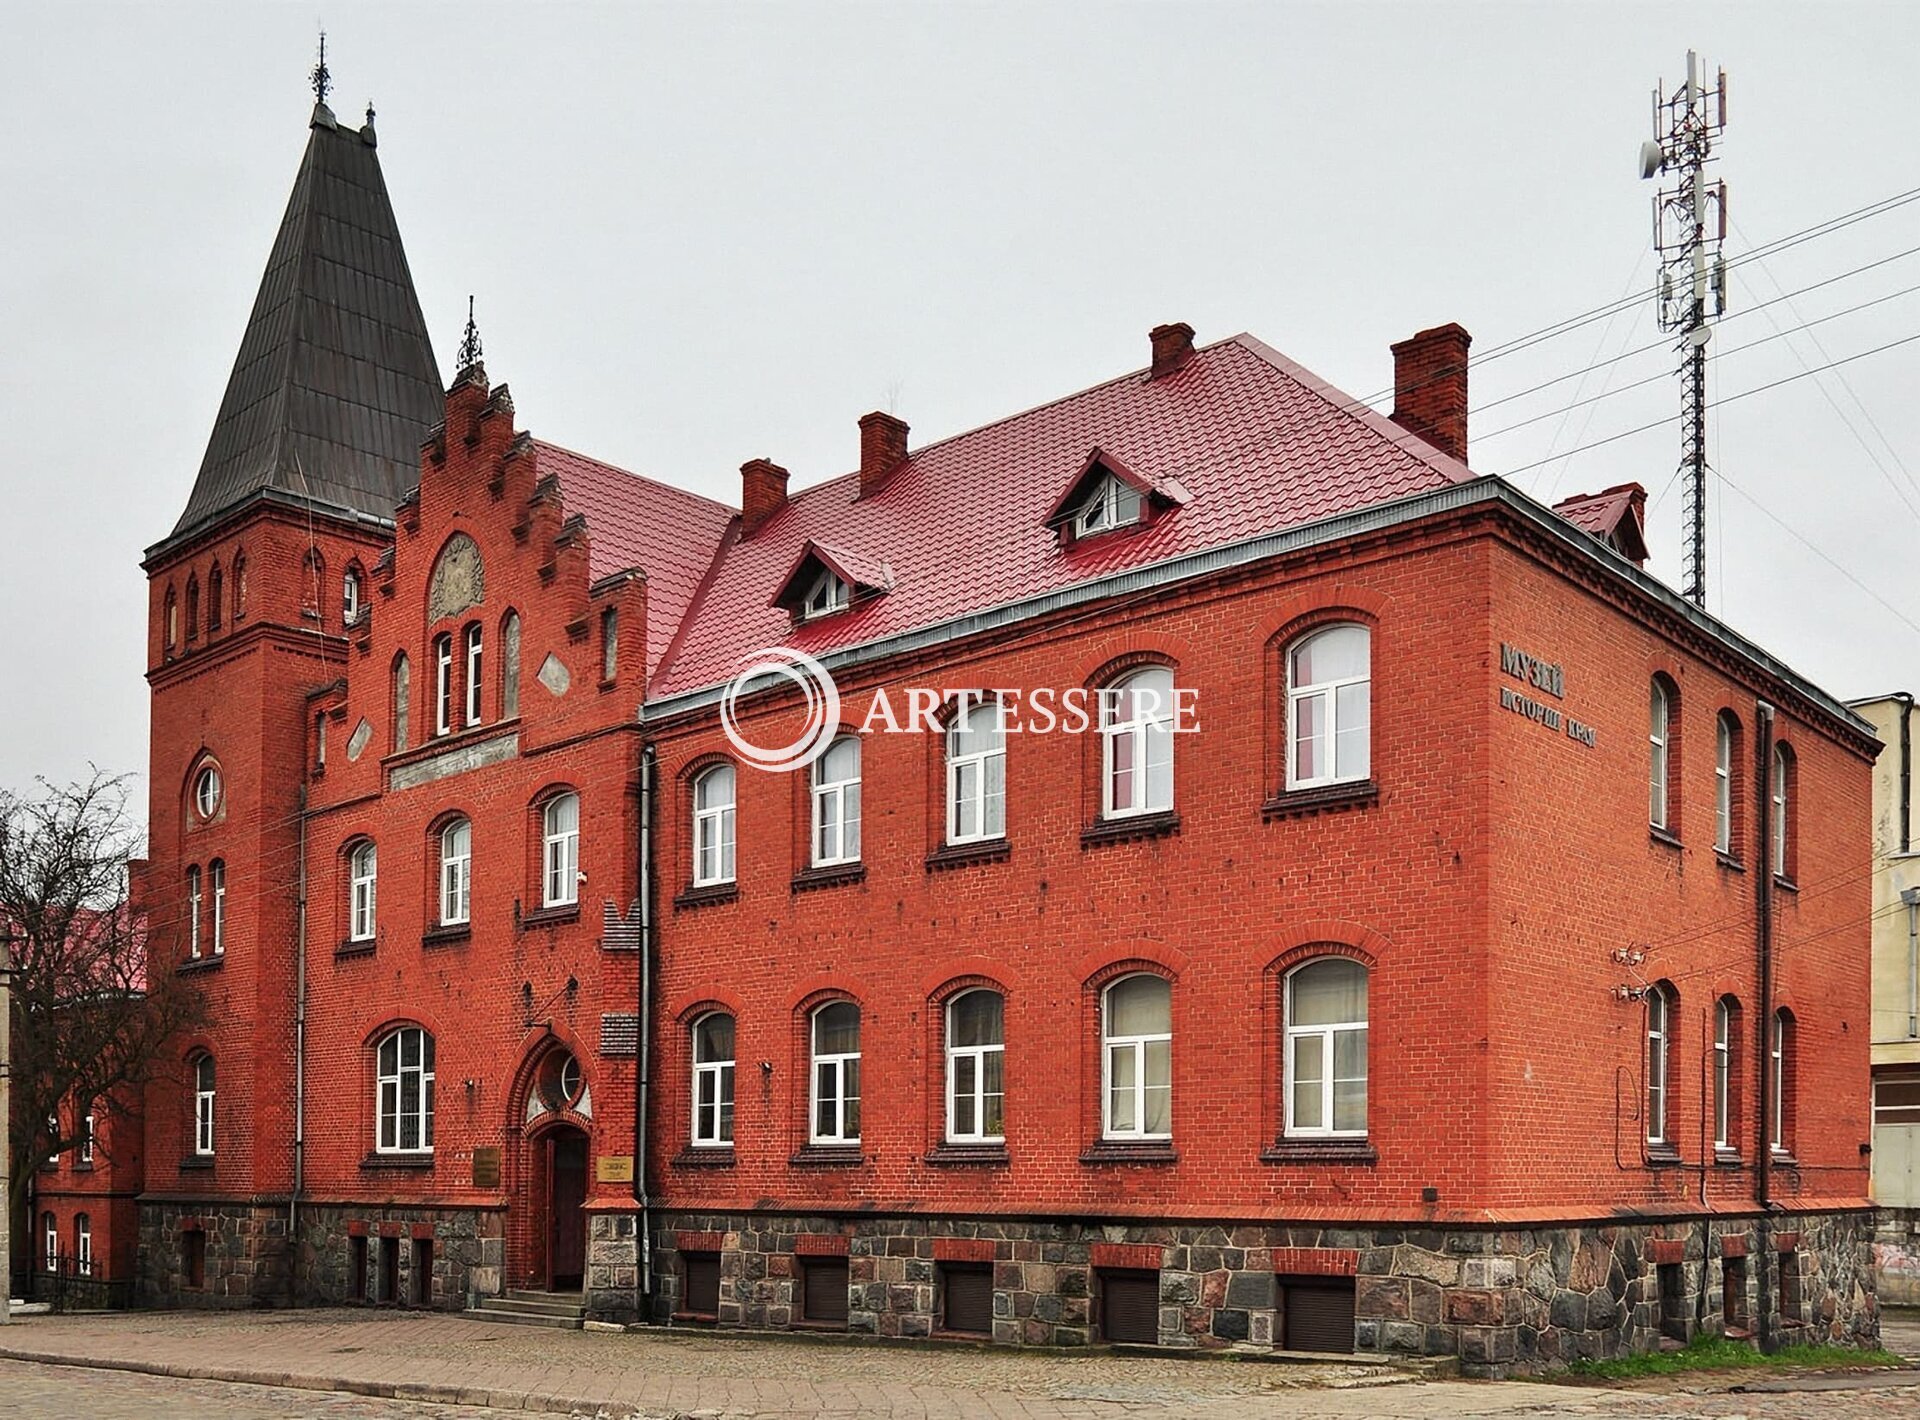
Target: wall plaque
x,y
486,1166
614,1168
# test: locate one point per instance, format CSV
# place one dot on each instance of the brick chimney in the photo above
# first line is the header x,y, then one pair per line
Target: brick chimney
x,y
1430,387
763,492
883,448
1172,348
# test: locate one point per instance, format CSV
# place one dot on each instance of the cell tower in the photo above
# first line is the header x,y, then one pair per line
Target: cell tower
x,y
1689,228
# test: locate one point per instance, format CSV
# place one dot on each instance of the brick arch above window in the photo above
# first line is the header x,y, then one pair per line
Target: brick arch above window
x,y
1102,966
1139,653
386,1025
703,1001
958,974
1291,946
817,991
1298,615
541,1043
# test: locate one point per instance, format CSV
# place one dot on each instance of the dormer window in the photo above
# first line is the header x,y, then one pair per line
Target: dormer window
x,y
825,595
1111,504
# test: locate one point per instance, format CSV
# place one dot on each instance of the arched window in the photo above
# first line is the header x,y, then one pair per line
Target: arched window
x,y
402,699
404,1092
1659,1052
350,595
50,1227
836,803
976,1068
1137,1059
1726,755
713,1081
1659,729
509,666
1726,1013
836,1074
206,791
171,622
1782,808
1136,739
560,835
215,594
1330,707
1326,1085
217,880
713,826
88,1137
456,864
977,774
193,911
1781,1063
442,684
203,1099
83,1244
363,877
473,673
193,607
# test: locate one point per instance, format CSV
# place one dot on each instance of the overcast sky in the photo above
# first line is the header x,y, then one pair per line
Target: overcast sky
x,y
701,233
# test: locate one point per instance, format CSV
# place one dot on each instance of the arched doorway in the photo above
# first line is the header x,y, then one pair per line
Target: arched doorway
x,y
564,1229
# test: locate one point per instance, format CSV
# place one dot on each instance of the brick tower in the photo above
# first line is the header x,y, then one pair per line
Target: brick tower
x,y
250,599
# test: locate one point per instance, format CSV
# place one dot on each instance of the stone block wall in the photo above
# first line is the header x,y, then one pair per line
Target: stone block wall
x,y
1501,1301
613,1267
245,1255
468,1255
1896,1256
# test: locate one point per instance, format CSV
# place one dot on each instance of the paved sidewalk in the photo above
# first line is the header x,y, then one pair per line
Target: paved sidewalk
x,y
452,1361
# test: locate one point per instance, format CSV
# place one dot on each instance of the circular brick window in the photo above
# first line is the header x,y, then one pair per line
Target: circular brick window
x,y
207,790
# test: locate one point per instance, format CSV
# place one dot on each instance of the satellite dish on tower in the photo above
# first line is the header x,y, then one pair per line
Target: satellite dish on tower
x,y
1652,155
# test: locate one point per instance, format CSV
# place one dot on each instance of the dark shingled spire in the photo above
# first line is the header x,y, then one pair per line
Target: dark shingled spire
x,y
335,385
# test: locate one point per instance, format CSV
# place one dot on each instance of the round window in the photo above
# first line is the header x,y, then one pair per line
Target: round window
x,y
206,791
561,1080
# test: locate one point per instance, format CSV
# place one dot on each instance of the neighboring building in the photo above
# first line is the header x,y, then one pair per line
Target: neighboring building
x,y
84,1204
1896,1000
1421,1001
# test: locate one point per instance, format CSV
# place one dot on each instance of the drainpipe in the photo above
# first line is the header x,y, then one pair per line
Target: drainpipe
x,y
1911,897
643,1046
299,1060
1763,1032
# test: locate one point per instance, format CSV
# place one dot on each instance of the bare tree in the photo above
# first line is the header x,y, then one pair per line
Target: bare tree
x,y
89,1021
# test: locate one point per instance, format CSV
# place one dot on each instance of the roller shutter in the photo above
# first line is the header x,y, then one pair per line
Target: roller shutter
x,y
824,1290
969,1297
1317,1313
1130,1307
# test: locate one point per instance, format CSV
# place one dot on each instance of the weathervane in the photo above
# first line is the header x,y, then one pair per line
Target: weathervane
x,y
322,78
470,342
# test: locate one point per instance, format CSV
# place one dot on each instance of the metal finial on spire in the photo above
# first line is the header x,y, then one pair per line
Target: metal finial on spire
x,y
470,342
321,76
369,113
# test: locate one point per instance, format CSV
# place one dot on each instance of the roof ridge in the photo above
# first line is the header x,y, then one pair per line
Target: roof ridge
x,y
642,477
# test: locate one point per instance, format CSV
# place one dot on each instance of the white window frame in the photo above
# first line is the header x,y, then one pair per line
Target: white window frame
x,y
826,594
1723,784
1328,692
52,1226
980,1056
363,872
712,1119
475,664
1659,1056
968,776
456,873
194,881
1112,1045
389,1112
443,684
350,597
714,825
1112,504
206,791
1722,1075
560,852
1327,1036
206,1081
83,1243
835,1064
1141,731
836,806
217,876
86,1139
1780,1144
1779,810
1659,735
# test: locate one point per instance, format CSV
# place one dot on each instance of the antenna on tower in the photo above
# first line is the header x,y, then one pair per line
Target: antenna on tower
x,y
1689,225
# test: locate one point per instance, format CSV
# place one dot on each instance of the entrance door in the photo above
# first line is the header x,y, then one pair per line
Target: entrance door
x,y
566,1223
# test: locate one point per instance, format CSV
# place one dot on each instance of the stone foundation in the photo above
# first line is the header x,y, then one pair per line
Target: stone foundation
x,y
1896,1256
1503,1301
243,1255
613,1267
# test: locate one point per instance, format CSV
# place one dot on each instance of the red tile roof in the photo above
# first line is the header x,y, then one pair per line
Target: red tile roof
x,y
666,532
1252,442
1613,514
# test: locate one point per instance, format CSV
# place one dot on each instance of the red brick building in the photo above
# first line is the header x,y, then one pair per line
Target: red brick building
x,y
1437,937
83,1207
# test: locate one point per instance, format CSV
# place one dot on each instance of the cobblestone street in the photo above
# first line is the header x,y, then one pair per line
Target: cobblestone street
x,y
409,1367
